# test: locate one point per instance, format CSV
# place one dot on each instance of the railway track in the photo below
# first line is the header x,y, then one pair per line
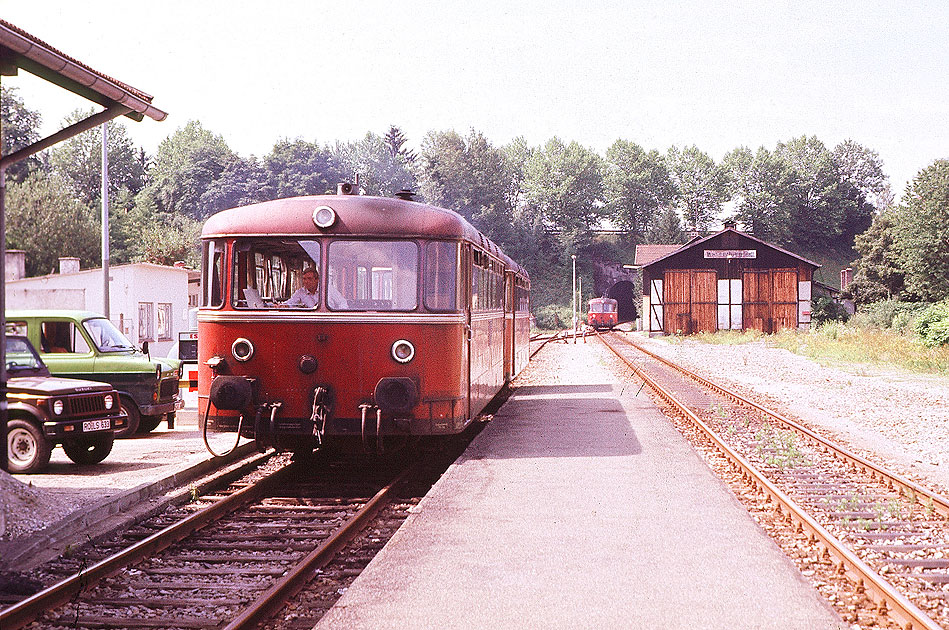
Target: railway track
x,y
240,555
889,535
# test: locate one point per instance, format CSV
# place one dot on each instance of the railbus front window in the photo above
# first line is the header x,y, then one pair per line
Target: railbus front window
x,y
373,275
269,273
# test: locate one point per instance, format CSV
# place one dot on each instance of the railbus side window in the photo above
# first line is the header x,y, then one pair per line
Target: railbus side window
x,y
441,273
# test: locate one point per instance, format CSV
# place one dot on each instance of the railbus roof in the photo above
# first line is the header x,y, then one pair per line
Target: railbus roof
x,y
357,215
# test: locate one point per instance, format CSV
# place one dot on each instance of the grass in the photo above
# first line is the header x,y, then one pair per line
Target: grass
x,y
841,343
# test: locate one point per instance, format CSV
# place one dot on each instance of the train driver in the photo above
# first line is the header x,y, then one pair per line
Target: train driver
x,y
308,296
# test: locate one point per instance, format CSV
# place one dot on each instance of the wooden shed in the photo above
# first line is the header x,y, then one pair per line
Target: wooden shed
x,y
729,280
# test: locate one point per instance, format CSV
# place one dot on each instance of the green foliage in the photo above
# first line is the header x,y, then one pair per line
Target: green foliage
x,y
922,233
763,186
563,184
888,314
168,240
381,171
637,187
879,274
185,167
79,160
297,167
20,126
824,309
45,220
554,317
702,186
819,207
932,325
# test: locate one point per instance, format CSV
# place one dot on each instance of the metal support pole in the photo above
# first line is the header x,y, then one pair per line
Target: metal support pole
x,y
4,462
573,300
105,219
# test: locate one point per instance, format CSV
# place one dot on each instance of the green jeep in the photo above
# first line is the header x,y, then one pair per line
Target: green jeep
x,y
82,344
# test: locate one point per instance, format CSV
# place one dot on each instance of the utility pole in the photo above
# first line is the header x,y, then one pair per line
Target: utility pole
x,y
105,219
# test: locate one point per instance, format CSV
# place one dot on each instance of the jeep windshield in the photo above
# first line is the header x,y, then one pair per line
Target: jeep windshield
x,y
22,358
106,336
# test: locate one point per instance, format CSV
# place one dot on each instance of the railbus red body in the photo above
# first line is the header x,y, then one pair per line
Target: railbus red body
x,y
602,313
416,322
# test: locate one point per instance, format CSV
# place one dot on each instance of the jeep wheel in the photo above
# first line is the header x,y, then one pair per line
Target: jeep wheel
x,y
147,424
89,449
134,417
28,450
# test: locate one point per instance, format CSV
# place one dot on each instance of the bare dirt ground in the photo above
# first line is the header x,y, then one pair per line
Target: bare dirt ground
x,y
892,417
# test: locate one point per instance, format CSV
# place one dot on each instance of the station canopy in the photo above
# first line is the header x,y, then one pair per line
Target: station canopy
x,y
20,50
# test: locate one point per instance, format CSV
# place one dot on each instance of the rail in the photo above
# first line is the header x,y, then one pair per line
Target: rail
x,y
881,592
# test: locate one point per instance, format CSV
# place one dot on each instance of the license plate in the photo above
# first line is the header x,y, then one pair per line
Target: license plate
x,y
96,425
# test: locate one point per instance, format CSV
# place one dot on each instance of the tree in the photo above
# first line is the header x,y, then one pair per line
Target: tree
x,y
820,208
637,187
701,184
667,230
243,181
79,160
564,183
395,140
381,171
762,186
20,129
922,232
470,176
862,168
186,165
166,240
48,222
879,273
297,167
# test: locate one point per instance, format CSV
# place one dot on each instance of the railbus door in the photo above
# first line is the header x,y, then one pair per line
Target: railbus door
x,y
466,279
509,325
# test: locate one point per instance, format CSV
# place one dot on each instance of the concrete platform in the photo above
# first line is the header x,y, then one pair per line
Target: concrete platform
x,y
580,506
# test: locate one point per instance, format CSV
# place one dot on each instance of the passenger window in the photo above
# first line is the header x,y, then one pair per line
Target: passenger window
x,y
16,328
62,338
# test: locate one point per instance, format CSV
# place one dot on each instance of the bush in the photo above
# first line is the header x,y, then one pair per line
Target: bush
x,y
888,314
824,309
554,317
933,325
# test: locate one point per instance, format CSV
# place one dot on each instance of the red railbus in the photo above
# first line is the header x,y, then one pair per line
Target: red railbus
x,y
414,322
602,313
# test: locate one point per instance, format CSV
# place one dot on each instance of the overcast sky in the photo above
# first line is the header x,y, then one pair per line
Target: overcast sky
x,y
715,74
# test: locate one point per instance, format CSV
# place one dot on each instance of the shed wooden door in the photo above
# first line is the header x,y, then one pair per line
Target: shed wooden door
x,y
690,300
770,299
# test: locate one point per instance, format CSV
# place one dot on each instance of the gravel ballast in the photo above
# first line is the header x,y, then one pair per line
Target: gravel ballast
x,y
892,417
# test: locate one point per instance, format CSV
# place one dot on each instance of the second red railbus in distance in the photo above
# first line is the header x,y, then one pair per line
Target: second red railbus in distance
x,y
354,321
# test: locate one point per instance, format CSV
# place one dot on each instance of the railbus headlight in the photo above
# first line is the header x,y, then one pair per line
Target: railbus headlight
x,y
58,407
403,351
242,349
324,217
109,401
